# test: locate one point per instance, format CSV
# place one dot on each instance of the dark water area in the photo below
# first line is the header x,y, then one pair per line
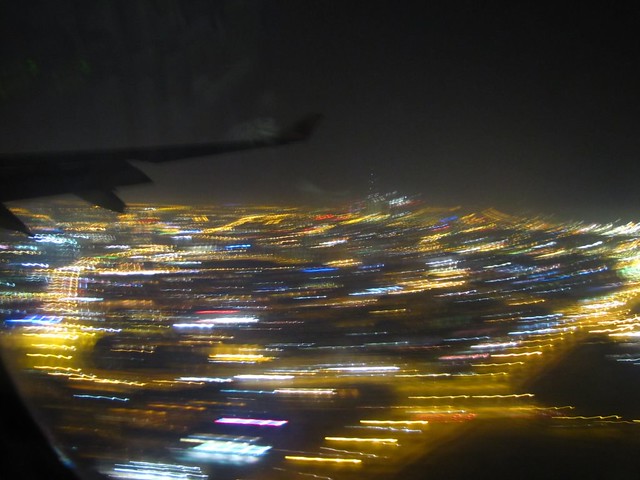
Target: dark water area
x,y
587,379
590,380
524,451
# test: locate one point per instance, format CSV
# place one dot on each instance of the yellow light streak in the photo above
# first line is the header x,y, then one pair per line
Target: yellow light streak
x,y
61,336
523,354
391,441
300,458
594,417
394,422
306,391
50,355
239,357
91,378
449,397
53,346
505,364
63,369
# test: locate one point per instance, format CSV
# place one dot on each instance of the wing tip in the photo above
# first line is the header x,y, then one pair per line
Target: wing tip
x,y
9,221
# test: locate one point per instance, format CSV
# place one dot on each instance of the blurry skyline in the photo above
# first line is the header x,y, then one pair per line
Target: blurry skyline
x,y
530,108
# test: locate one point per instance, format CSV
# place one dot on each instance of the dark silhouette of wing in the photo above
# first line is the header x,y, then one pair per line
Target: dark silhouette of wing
x,y
93,175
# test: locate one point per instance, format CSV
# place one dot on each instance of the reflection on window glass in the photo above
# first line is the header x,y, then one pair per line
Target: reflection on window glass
x,y
275,240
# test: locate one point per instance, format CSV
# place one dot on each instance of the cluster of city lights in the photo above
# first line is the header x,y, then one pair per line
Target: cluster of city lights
x,y
261,327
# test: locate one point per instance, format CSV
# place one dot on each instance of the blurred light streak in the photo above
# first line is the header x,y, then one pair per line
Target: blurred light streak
x,y
306,391
593,417
505,364
522,354
350,452
385,441
251,421
50,355
300,458
394,422
238,358
450,397
249,376
365,369
227,452
205,379
102,397
135,470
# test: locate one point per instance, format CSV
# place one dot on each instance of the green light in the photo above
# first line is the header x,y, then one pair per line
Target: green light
x,y
32,67
84,67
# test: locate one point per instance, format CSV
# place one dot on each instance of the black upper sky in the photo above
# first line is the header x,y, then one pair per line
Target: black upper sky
x,y
467,103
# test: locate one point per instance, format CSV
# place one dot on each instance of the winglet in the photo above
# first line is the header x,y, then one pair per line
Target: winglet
x,y
301,130
9,221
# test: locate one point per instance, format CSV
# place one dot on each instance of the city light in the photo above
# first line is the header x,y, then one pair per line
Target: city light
x,y
338,339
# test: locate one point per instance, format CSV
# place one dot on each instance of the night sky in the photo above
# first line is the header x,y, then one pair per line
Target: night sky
x,y
530,108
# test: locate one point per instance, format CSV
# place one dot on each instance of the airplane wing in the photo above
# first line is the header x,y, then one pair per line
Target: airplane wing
x,y
93,175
